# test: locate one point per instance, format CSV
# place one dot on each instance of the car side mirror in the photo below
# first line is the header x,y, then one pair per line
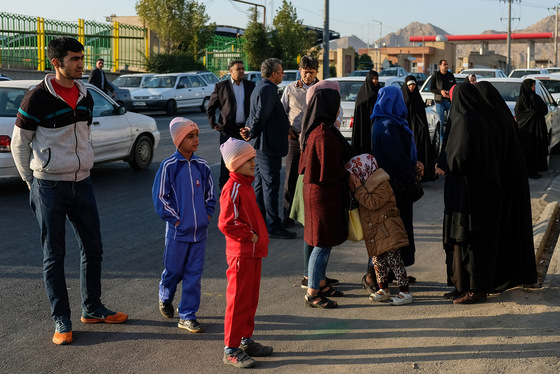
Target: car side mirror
x,y
120,110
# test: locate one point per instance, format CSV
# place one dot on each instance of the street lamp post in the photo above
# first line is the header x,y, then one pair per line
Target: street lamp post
x,y
380,36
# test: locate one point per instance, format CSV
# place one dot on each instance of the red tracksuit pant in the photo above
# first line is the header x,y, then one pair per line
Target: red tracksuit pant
x,y
242,297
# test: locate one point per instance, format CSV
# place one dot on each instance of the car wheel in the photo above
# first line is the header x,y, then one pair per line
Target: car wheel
x,y
171,107
436,141
142,153
204,105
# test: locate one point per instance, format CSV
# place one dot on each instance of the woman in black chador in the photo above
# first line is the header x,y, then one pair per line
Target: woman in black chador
x,y
365,101
418,123
530,110
472,195
515,263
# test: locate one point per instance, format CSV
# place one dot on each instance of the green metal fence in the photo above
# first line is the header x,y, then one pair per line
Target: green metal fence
x,y
23,41
222,50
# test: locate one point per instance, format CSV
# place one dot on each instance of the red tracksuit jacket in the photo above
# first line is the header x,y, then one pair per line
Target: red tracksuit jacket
x,y
240,217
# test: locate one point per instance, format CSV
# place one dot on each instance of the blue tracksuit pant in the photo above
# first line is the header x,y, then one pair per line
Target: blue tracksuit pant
x,y
183,261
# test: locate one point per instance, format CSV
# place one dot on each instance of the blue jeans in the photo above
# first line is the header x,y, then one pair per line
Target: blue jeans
x,y
441,108
267,187
318,266
53,202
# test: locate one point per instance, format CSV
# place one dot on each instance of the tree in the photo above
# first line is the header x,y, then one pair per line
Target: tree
x,y
364,62
257,45
289,37
179,24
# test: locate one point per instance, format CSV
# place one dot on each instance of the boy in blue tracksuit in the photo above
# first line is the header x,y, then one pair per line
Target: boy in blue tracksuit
x,y
183,195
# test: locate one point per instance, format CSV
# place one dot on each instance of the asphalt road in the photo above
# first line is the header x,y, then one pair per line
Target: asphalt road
x,y
515,332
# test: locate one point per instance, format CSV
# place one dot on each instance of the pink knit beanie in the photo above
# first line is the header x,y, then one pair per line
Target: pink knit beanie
x,y
236,152
333,85
179,128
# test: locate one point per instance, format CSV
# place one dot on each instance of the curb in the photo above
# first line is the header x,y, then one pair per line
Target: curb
x,y
543,228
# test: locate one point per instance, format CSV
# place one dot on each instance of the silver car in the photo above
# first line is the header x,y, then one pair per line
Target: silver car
x,y
115,133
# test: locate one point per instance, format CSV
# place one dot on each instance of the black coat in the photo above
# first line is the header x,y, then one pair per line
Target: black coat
x,y
365,101
223,99
96,77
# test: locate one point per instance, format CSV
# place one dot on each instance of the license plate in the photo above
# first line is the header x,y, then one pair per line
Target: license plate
x,y
139,103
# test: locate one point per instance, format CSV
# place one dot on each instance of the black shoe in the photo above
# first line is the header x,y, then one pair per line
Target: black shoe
x,y
452,295
304,282
282,234
368,287
256,349
166,309
471,297
239,359
191,325
535,176
331,281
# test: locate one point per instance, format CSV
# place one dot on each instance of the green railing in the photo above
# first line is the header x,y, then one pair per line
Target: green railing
x,y
23,41
222,50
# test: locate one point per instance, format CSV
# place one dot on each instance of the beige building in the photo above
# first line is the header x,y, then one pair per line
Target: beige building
x,y
343,59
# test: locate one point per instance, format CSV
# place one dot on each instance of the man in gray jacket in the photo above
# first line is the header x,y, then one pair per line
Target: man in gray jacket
x,y
52,152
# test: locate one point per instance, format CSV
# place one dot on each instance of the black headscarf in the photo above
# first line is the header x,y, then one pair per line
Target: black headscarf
x,y
516,257
365,101
418,123
530,112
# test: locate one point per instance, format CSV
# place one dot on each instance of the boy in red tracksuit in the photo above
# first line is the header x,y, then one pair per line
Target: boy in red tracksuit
x,y
246,244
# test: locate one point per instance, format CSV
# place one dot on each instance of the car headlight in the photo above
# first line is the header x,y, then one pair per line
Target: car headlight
x,y
156,97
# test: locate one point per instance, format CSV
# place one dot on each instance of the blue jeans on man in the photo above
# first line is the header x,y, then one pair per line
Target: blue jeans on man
x,y
267,187
53,202
442,108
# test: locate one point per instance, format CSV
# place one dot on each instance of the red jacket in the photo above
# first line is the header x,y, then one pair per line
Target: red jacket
x,y
240,217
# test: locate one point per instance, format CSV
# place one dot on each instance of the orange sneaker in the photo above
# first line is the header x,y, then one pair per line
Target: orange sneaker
x,y
103,314
63,332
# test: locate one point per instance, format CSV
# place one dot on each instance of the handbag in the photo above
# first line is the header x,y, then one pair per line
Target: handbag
x,y
406,193
297,212
355,232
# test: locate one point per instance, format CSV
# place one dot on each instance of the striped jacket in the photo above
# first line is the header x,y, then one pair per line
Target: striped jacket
x,y
240,217
50,139
183,191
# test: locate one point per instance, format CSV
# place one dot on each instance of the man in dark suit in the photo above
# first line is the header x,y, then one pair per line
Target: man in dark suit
x,y
268,127
98,78
231,97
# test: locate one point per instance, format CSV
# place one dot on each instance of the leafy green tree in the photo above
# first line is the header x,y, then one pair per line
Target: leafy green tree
x,y
257,44
364,62
289,37
179,24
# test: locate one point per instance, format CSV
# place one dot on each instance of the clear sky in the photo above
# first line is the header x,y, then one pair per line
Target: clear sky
x,y
346,16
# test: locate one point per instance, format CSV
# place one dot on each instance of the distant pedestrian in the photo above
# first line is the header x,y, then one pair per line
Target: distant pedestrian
x,y
530,112
231,98
98,78
183,195
51,146
246,244
365,101
442,81
384,231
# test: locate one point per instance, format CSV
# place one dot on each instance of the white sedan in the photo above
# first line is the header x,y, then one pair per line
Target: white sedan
x,y
115,133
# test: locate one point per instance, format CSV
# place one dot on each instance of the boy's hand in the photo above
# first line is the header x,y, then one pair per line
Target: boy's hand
x,y
255,238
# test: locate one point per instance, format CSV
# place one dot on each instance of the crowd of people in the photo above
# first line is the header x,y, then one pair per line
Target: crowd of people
x,y
487,229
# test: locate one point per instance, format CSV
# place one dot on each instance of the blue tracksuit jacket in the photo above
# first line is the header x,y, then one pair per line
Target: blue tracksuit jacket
x,y
184,191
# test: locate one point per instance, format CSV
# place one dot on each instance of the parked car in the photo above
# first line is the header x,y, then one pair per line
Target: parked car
x,y
428,95
420,78
4,78
208,76
253,76
551,82
289,77
115,133
393,72
485,73
132,82
173,91
554,69
518,73
509,88
120,95
349,87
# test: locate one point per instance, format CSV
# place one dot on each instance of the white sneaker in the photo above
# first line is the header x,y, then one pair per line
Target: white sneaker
x,y
402,299
380,296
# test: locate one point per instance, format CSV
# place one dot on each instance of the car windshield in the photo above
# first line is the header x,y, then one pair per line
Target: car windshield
x,y
210,78
359,73
161,82
508,90
553,86
349,90
388,73
10,98
127,81
290,76
520,73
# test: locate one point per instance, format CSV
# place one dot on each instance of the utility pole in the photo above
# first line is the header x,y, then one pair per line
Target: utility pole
x,y
508,64
380,43
326,35
555,34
